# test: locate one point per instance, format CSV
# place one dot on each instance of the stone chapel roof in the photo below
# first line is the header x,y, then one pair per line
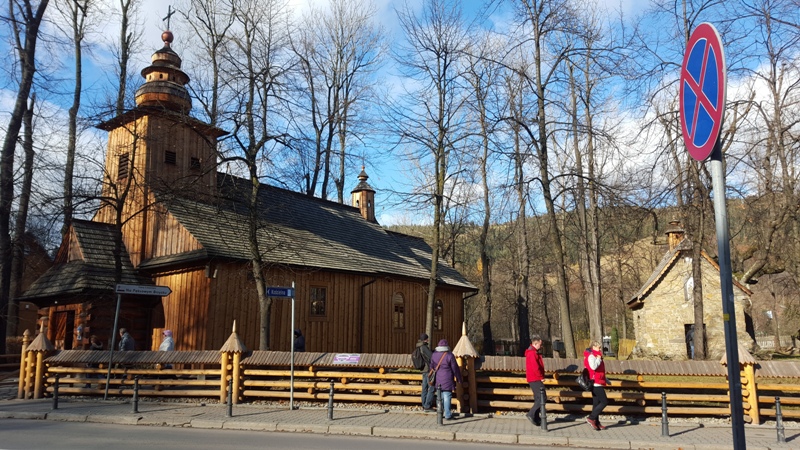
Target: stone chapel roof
x,y
664,266
303,231
91,272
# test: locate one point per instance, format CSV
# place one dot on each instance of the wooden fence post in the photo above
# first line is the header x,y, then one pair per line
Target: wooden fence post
x,y
223,376
23,364
39,347
752,392
749,393
464,350
233,346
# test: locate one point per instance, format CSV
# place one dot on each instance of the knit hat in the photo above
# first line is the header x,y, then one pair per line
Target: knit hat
x,y
297,332
168,333
443,343
423,337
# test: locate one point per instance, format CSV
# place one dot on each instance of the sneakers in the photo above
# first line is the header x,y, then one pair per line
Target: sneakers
x,y
593,423
599,425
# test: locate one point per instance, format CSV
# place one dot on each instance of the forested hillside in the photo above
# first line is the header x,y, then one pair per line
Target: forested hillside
x,y
633,242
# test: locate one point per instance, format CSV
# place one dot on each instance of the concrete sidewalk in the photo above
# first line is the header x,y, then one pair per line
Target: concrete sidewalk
x,y
564,432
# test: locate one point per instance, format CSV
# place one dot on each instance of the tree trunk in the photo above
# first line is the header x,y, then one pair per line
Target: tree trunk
x,y
31,20
17,261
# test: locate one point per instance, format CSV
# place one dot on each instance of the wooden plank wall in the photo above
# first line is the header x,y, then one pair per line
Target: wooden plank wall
x,y
186,310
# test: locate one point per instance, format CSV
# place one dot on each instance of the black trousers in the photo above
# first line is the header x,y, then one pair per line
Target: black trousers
x,y
599,401
538,400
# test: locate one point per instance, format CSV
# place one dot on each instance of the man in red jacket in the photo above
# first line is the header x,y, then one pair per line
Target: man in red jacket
x,y
534,371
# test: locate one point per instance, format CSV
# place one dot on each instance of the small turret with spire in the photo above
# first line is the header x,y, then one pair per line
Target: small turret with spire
x,y
364,197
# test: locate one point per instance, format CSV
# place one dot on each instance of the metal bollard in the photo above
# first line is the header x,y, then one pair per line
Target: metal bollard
x,y
55,392
330,402
779,421
230,397
136,394
439,406
664,422
543,410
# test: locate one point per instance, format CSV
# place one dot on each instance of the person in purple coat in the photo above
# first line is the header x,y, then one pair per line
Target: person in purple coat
x,y
446,375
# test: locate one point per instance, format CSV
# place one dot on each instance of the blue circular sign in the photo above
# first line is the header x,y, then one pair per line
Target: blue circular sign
x,y
702,91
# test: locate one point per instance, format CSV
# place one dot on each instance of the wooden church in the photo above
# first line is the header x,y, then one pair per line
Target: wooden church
x,y
359,287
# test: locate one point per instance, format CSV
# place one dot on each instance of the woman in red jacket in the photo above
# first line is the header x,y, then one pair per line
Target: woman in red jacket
x,y
534,371
593,360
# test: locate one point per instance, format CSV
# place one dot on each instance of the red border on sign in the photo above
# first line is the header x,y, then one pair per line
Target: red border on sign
x,y
704,32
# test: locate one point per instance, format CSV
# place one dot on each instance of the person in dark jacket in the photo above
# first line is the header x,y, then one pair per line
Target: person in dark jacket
x,y
427,389
126,343
593,360
534,373
447,372
299,341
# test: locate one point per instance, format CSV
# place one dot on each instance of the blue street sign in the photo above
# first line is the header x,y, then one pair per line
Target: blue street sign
x,y
280,292
702,91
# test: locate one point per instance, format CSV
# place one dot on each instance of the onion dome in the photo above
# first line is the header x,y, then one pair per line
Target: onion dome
x,y
165,82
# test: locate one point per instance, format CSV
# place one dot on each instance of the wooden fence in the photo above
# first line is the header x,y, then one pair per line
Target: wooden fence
x,y
491,384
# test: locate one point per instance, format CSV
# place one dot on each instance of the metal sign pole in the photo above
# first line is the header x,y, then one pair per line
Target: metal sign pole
x,y
291,342
113,344
728,305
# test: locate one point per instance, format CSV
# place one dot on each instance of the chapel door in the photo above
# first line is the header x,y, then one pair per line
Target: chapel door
x,y
62,326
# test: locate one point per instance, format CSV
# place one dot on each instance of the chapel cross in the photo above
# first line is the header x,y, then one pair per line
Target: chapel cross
x,y
170,12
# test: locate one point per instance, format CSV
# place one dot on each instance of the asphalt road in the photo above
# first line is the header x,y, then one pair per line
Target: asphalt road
x,y
48,434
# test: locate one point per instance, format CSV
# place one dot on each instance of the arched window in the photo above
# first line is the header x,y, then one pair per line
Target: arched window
x,y
438,313
398,311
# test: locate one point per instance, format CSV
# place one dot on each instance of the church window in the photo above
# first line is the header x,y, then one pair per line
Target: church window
x,y
122,166
438,313
170,157
318,295
398,311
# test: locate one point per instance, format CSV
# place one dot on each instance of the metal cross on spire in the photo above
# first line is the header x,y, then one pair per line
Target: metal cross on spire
x,y
170,12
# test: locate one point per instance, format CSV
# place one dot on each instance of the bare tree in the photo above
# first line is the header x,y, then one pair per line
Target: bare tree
x,y
337,50
210,22
21,221
128,39
75,13
542,20
24,17
483,76
429,120
256,67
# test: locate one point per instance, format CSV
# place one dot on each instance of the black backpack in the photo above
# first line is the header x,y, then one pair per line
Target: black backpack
x,y
583,380
416,358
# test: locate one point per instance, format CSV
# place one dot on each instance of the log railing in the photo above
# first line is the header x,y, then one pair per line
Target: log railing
x,y
491,384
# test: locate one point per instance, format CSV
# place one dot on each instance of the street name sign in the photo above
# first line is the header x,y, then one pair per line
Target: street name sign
x,y
280,292
702,91
143,289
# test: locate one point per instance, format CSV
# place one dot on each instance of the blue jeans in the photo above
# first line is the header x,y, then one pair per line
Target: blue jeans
x,y
447,397
427,392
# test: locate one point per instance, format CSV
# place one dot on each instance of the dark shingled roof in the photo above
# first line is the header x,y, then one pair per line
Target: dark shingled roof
x,y
93,274
298,230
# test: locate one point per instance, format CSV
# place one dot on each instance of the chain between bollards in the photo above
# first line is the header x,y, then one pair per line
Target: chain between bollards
x,y
330,402
55,392
439,406
230,397
543,409
136,394
779,421
664,421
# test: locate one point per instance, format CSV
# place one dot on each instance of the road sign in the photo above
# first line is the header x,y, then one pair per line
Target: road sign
x,y
280,292
143,289
702,91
